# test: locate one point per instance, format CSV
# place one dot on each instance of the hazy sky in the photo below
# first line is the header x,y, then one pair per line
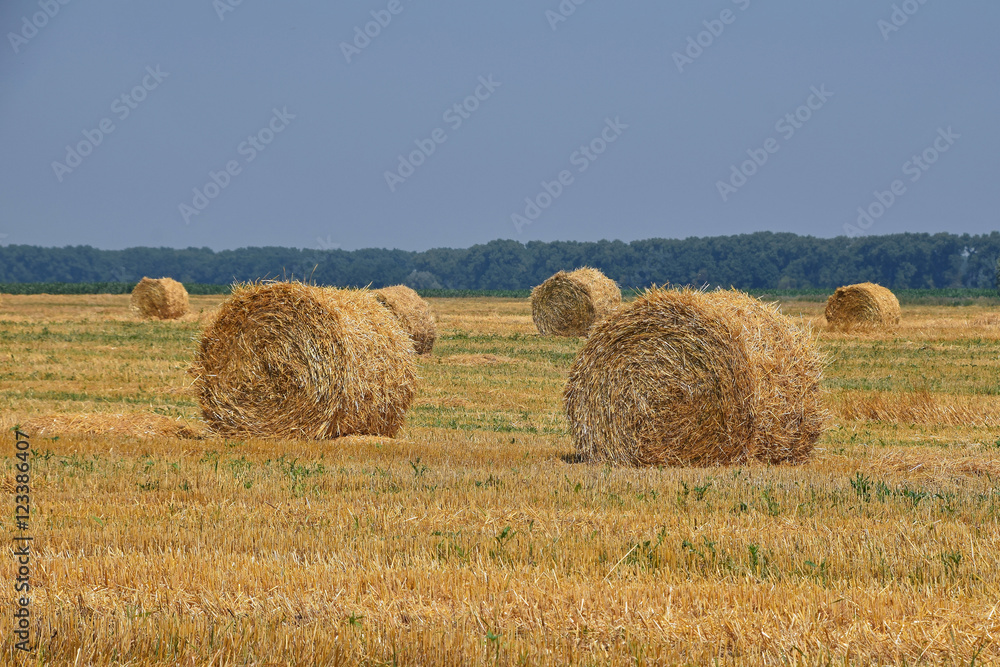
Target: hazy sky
x,y
616,120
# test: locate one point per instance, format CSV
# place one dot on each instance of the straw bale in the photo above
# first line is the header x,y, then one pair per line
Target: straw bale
x,y
288,360
413,313
569,304
684,377
863,306
159,298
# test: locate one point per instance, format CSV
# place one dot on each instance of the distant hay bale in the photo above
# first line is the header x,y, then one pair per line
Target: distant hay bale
x,y
863,306
413,313
288,360
569,304
159,298
693,378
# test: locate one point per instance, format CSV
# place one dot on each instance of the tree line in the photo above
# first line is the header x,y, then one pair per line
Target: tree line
x,y
762,260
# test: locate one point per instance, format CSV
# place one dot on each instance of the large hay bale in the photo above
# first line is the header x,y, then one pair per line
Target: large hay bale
x,y
569,304
693,378
863,306
413,313
288,360
159,298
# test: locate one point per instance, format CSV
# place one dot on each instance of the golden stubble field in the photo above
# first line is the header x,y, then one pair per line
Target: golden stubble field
x,y
475,537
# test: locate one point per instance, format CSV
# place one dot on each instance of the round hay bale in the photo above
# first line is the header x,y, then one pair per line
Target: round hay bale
x,y
569,304
413,313
288,360
863,306
159,299
693,378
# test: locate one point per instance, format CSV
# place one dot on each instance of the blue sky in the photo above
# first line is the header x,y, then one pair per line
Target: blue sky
x,y
573,122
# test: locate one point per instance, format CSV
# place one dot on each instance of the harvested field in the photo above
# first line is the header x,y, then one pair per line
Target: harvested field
x,y
475,537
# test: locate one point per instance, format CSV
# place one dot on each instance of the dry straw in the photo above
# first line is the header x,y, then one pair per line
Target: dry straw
x,y
159,298
288,360
569,304
477,359
693,378
919,407
863,306
413,313
133,425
